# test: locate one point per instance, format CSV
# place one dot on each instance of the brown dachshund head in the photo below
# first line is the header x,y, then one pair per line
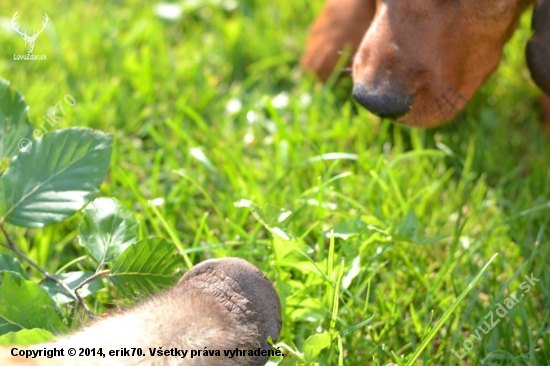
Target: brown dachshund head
x,y
421,61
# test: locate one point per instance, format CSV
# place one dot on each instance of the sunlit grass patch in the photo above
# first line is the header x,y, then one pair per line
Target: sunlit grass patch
x,y
383,227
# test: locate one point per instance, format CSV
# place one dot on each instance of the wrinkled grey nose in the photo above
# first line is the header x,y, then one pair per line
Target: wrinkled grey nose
x,y
386,104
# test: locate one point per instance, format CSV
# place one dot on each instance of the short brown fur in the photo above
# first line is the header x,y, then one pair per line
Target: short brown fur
x,y
437,51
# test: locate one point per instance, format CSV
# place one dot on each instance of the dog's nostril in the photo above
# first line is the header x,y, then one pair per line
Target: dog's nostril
x,y
386,104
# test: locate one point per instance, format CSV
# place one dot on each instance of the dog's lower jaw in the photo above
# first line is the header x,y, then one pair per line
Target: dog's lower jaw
x,y
433,104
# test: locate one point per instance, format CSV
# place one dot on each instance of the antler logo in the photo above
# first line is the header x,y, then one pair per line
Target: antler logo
x,y
29,40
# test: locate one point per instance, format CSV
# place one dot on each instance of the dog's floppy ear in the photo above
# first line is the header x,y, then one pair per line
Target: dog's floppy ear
x,y
538,47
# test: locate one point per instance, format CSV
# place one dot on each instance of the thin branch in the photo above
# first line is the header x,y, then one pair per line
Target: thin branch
x,y
91,278
77,297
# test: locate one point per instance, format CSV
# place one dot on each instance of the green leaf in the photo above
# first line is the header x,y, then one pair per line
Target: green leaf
x,y
9,263
26,337
270,216
348,229
6,326
315,344
357,326
146,267
58,176
408,231
25,305
107,229
409,226
72,279
15,129
353,272
291,356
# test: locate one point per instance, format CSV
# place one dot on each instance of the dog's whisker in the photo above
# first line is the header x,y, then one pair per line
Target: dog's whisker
x,y
426,112
346,69
441,110
457,93
422,115
417,117
453,107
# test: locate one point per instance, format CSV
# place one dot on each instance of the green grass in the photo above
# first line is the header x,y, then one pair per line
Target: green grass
x,y
482,182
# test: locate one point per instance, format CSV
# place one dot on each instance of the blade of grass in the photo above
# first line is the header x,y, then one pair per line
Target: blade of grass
x,y
447,314
173,236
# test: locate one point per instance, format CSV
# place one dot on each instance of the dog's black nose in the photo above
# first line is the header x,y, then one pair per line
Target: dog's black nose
x,y
386,104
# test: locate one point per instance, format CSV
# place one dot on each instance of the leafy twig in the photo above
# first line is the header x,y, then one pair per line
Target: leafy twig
x,y
91,278
73,293
87,280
